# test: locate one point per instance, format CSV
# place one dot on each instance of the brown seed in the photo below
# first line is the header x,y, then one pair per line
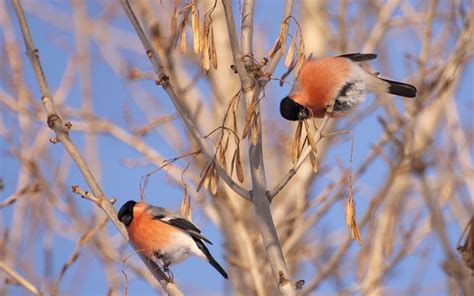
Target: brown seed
x,y
203,175
254,133
183,39
291,51
195,26
214,181
213,50
174,20
238,166
295,150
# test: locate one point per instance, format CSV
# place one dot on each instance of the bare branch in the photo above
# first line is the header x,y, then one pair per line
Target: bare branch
x,y
19,279
259,199
56,124
246,27
317,137
180,108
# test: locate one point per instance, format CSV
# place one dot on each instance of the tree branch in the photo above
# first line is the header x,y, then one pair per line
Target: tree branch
x,y
260,201
19,279
246,27
180,108
317,137
62,135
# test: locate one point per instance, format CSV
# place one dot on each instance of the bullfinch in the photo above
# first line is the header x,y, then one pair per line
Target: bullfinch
x,y
164,236
338,82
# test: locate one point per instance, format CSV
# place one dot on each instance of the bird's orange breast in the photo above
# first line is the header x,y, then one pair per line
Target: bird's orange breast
x,y
320,81
150,235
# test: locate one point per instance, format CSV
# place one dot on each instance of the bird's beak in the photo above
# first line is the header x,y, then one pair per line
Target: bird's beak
x,y
304,113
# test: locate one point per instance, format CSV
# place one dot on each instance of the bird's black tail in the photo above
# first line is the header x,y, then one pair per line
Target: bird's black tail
x,y
211,259
400,88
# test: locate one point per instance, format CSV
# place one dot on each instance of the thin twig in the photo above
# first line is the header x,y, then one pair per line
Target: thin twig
x,y
19,279
276,58
317,137
75,253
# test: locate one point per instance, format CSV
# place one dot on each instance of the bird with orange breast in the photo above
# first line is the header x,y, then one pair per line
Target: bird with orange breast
x,y
164,236
337,82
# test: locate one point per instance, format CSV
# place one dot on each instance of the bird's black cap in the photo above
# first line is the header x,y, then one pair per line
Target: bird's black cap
x,y
125,215
293,111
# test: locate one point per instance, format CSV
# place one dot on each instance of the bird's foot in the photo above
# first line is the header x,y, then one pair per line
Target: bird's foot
x,y
168,272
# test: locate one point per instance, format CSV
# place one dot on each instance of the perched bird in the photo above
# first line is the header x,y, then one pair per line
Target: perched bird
x,y
164,236
337,81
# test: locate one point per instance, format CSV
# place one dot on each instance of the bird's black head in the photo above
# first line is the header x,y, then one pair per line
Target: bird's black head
x,y
291,110
125,215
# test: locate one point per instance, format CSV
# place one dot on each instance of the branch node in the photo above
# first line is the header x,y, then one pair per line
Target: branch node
x,y
113,200
162,80
149,54
269,196
68,126
282,279
299,284
75,188
53,140
54,121
87,195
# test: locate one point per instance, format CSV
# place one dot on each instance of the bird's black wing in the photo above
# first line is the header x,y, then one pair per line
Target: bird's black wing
x,y
359,57
182,224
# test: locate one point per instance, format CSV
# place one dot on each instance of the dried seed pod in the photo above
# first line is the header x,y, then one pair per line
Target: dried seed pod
x,y
205,59
238,166
195,24
205,53
232,163
222,152
234,121
290,68
250,116
186,204
283,33
207,180
189,215
214,180
213,49
183,39
224,162
310,138
248,124
314,161
226,145
301,56
351,218
295,150
291,52
204,174
275,48
174,20
254,133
